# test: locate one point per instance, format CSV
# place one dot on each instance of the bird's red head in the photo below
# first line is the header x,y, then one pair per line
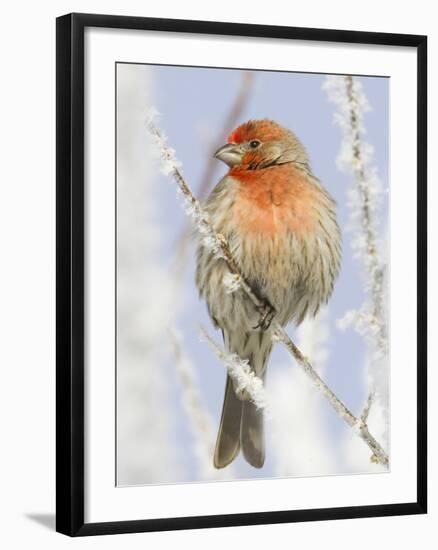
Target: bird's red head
x,y
261,130
259,144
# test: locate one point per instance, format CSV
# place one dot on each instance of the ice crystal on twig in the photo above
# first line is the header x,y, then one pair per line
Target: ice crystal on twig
x,y
171,166
240,371
169,162
232,282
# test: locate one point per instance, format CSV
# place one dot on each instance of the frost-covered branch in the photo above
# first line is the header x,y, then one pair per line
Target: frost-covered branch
x,y
356,157
359,427
240,371
219,246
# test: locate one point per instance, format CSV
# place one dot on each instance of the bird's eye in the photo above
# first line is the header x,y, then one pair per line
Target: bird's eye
x,y
254,143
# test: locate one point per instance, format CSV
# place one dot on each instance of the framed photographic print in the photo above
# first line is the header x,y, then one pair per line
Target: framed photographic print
x,y
241,274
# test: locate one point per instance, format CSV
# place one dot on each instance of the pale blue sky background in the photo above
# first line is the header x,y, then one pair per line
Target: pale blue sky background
x,y
194,103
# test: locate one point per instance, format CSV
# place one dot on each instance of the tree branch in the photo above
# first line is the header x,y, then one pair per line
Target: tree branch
x,y
374,267
356,157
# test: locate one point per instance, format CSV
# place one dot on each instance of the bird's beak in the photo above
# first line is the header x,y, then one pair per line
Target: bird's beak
x,y
230,153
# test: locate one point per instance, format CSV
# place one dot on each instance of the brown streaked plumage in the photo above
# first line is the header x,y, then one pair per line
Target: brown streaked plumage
x,y
281,226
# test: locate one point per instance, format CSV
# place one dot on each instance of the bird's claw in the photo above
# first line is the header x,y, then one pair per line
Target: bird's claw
x,y
266,317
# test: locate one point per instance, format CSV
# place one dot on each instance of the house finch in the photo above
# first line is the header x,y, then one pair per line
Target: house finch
x,y
281,227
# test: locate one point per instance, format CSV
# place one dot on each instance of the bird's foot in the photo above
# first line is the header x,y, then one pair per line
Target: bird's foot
x,y
267,314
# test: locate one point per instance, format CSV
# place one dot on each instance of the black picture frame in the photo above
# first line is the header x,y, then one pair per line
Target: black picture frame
x,y
70,273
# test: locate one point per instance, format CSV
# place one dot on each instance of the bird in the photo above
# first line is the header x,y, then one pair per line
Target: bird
x,y
282,229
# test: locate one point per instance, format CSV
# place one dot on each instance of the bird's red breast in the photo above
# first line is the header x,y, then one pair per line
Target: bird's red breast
x,y
273,201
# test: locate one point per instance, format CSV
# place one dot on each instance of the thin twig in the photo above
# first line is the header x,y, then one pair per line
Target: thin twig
x,y
220,247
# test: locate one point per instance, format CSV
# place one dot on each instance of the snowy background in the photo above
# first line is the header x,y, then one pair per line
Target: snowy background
x,y
169,383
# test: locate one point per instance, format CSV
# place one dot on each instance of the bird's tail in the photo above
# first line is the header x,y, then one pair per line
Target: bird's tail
x,y
228,437
242,424
252,434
